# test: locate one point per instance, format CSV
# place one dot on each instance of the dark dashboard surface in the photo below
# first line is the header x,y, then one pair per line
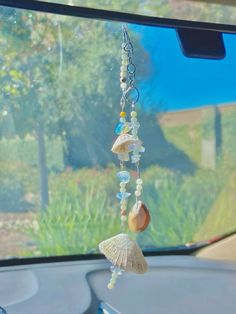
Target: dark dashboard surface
x,y
173,284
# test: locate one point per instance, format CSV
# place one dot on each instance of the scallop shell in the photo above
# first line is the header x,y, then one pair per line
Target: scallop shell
x,y
122,251
123,142
139,217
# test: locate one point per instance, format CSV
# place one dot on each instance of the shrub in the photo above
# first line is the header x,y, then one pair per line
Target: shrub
x,y
83,209
80,215
25,151
179,205
18,181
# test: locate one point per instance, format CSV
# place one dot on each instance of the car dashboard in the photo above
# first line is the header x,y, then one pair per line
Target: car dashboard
x,y
173,284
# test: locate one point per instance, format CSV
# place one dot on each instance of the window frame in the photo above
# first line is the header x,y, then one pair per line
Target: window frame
x,y
91,13
108,15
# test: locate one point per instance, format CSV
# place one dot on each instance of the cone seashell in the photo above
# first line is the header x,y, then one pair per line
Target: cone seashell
x,y
122,251
139,217
124,144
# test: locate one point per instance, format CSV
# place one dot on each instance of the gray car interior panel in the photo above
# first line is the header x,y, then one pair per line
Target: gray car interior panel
x,y
173,284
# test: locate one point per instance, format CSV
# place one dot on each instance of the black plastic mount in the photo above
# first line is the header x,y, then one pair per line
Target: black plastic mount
x,y
198,43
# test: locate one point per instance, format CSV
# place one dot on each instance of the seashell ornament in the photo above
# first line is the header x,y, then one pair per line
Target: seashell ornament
x,y
139,217
125,143
124,253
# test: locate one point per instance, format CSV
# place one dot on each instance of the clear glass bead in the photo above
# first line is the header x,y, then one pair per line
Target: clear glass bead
x,y
135,158
112,268
136,125
134,132
123,176
134,147
119,271
123,195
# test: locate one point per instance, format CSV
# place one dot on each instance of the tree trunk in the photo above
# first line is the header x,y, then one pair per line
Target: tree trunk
x,y
42,161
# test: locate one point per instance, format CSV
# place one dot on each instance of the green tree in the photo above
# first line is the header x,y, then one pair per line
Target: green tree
x,y
26,77
58,79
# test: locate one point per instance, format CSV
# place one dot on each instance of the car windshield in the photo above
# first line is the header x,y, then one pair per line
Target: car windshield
x,y
59,102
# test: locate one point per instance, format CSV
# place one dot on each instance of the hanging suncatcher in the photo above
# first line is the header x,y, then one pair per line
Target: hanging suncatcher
x,y
122,251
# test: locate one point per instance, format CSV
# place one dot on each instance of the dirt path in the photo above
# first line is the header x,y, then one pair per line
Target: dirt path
x,y
13,237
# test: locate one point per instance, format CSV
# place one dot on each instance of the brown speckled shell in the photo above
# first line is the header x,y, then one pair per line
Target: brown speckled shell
x,y
139,218
121,145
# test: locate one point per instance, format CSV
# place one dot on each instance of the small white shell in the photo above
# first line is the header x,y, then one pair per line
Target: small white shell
x,y
124,144
122,251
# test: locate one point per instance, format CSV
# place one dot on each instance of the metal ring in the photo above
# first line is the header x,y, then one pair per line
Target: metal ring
x,y
128,96
131,68
128,47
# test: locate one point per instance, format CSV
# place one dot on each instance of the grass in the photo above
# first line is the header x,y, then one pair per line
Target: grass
x,y
222,216
179,205
84,211
81,213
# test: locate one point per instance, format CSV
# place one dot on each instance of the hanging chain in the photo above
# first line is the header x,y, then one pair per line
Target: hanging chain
x,y
131,93
131,144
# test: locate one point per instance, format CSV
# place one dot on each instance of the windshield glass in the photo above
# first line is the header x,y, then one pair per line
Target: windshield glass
x,y
60,95
212,11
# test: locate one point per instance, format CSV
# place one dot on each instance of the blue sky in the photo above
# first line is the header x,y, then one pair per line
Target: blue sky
x,y
177,82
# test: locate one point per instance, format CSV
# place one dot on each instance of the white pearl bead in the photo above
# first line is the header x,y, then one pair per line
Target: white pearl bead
x,y
133,114
123,86
122,189
122,184
139,181
139,188
123,218
124,56
110,286
137,193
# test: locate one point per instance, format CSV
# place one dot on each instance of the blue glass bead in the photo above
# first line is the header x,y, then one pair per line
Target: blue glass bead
x,y
123,176
123,195
119,128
